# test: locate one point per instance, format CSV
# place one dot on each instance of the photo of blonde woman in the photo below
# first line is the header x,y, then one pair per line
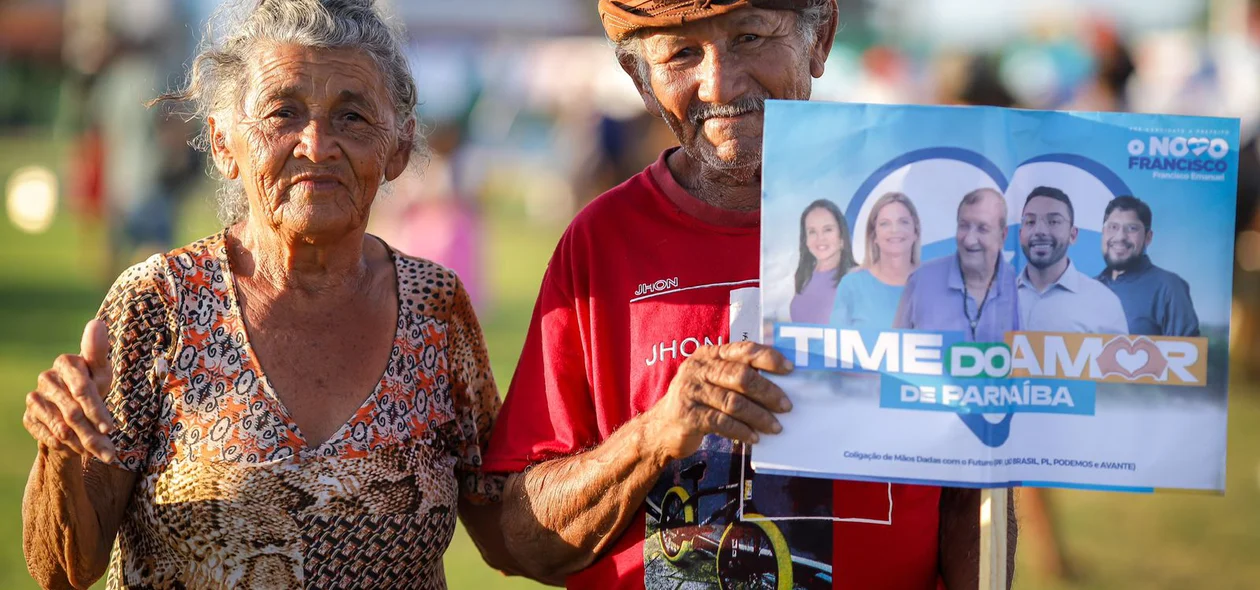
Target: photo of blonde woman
x,y
867,298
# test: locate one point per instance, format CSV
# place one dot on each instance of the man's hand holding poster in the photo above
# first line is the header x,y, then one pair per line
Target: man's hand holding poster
x,y
989,297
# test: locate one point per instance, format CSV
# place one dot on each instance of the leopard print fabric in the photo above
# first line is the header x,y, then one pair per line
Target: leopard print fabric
x,y
229,495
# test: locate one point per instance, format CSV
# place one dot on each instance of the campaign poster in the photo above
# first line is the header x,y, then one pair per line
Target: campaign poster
x,y
989,297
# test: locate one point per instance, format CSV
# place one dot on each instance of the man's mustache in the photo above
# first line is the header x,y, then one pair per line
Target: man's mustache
x,y
699,112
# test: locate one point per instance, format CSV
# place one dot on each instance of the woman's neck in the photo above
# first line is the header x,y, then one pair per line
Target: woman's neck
x,y
831,263
893,269
285,261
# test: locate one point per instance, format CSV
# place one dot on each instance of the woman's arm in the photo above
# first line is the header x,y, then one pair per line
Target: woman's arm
x,y
74,503
477,404
71,512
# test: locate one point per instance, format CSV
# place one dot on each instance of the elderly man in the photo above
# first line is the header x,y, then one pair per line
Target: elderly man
x,y
619,424
973,291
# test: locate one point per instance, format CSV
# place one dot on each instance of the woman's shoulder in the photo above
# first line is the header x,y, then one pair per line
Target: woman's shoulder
x,y
429,287
148,277
160,272
857,276
206,253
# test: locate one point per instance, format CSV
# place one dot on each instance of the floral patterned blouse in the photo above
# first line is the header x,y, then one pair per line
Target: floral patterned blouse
x,y
228,495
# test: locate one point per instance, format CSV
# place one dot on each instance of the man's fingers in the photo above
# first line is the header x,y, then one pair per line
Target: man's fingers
x,y
742,378
764,358
72,370
724,425
739,407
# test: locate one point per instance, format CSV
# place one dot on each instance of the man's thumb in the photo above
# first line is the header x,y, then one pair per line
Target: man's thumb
x,y
95,348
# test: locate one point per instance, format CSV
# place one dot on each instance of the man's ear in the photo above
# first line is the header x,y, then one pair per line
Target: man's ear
x,y
821,47
224,161
398,160
630,65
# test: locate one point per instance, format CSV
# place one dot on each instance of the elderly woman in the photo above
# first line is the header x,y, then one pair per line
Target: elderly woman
x,y
289,402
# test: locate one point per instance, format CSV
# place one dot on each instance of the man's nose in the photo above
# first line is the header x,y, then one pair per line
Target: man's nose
x,y
723,77
316,142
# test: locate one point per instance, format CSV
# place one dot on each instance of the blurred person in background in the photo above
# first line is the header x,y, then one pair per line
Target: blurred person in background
x,y
610,404
1113,67
146,162
971,80
289,402
434,216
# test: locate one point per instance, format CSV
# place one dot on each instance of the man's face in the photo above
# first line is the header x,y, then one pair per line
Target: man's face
x,y
710,80
1046,232
1124,238
981,232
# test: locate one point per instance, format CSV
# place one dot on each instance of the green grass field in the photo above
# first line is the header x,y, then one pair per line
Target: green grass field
x,y
50,285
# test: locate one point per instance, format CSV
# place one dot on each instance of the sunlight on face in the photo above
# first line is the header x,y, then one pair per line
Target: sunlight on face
x,y
710,80
316,137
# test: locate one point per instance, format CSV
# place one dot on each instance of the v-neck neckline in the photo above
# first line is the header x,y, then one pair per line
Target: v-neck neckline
x,y
268,391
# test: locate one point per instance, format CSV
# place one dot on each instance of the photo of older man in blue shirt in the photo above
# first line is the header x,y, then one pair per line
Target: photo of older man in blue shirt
x,y
972,291
1053,295
1156,301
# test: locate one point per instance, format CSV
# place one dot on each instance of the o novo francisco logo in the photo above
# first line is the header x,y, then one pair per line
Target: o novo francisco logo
x,y
1181,154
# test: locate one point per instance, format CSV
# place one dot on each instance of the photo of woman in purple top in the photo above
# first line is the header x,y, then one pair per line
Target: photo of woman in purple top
x,y
825,258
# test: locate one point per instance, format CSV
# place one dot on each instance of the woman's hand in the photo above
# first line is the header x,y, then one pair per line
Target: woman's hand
x,y
66,411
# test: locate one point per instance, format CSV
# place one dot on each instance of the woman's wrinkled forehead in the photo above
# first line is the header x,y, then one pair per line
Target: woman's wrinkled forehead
x,y
277,72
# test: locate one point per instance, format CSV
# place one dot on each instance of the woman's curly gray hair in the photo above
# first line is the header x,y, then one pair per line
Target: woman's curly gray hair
x,y
216,79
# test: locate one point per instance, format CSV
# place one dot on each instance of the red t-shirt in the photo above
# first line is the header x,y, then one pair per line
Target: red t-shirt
x,y
642,278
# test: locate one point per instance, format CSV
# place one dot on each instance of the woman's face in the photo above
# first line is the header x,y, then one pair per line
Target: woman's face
x,y
822,237
315,137
894,230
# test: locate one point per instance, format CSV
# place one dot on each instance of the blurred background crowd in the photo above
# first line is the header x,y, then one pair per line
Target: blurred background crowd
x,y
528,117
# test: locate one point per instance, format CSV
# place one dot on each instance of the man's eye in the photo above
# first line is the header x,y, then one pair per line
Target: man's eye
x,y
283,113
747,38
352,116
684,53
